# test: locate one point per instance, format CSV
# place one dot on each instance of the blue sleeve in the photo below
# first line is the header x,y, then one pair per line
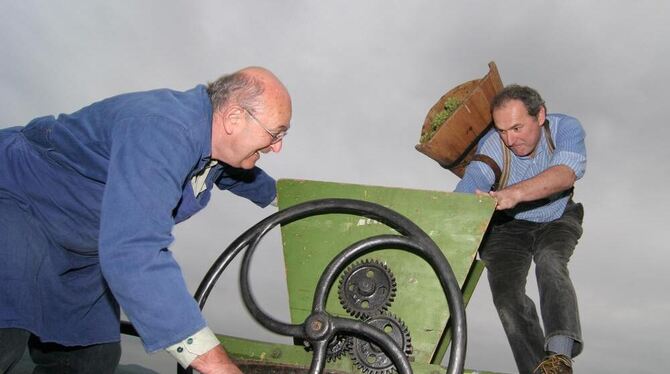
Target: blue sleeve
x,y
478,175
149,161
253,184
570,147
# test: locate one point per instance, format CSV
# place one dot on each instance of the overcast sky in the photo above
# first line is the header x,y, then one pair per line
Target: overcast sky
x,y
362,77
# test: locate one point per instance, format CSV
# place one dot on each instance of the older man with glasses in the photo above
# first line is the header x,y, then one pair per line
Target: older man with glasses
x,y
88,201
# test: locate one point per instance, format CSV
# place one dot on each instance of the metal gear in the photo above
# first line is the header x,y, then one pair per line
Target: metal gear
x,y
368,357
367,288
336,349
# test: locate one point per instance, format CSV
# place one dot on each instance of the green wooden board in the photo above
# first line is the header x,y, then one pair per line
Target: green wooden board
x,y
456,222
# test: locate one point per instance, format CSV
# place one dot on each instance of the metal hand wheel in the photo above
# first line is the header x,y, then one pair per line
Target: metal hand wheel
x,y
320,327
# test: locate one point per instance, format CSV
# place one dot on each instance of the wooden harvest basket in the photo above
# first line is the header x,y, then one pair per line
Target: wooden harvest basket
x,y
455,141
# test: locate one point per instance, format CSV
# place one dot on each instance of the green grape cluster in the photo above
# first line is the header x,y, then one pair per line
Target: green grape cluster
x,y
450,105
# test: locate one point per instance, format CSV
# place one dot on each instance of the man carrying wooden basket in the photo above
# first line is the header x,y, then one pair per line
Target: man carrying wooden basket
x,y
540,157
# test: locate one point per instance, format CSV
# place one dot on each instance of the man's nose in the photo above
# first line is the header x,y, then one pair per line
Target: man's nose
x,y
510,139
277,146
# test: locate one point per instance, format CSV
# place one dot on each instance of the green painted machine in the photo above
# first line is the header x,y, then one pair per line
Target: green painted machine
x,y
365,271
378,277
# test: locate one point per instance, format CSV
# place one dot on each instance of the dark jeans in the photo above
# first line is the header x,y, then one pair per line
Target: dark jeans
x,y
51,358
508,250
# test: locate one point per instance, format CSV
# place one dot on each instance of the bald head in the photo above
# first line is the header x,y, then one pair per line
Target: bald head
x,y
253,88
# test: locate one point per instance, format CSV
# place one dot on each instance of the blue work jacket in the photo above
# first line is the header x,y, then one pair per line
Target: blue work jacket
x,y
101,190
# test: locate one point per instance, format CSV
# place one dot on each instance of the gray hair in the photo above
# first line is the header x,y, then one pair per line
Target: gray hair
x,y
238,88
530,98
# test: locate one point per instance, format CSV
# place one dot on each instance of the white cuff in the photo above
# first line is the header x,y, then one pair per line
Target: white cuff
x,y
195,345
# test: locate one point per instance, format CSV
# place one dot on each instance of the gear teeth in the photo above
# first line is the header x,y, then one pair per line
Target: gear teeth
x,y
377,299
403,327
338,347
362,350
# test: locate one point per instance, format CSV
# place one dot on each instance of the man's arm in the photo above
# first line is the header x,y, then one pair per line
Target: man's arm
x,y
478,175
253,184
567,165
148,163
553,180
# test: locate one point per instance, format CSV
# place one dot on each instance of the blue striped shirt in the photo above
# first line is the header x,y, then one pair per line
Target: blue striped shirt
x,y
568,136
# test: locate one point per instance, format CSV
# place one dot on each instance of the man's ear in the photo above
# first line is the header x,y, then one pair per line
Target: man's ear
x,y
542,115
232,119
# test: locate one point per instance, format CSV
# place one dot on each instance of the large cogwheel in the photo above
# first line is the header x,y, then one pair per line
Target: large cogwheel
x,y
367,288
368,357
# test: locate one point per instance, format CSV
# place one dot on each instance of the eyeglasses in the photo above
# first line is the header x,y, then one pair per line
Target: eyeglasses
x,y
276,137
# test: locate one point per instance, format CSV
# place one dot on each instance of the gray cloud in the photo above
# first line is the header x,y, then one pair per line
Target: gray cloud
x,y
362,76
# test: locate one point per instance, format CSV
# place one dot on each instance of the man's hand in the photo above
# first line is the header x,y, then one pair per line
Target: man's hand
x,y
553,180
215,361
506,198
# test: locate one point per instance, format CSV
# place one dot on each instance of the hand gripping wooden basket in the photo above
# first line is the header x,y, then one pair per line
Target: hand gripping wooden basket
x,y
454,143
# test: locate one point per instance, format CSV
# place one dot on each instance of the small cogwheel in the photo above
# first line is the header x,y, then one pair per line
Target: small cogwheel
x,y
367,288
337,347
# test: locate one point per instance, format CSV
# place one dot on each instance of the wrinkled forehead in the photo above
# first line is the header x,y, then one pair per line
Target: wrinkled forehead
x,y
509,116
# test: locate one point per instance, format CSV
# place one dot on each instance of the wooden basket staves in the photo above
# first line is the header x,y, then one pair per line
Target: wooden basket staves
x,y
454,142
